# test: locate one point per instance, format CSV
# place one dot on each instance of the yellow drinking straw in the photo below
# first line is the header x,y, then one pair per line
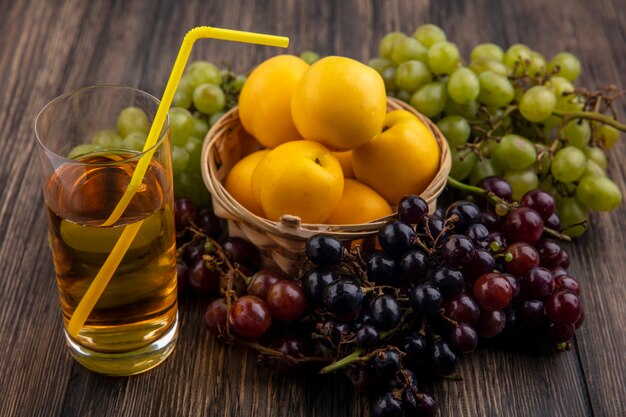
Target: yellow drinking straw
x,y
103,276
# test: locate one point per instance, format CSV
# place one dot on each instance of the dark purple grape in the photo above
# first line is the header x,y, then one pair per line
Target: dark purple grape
x,y
412,209
549,253
463,338
419,404
386,363
523,225
324,250
443,359
363,379
193,253
292,344
496,243
343,298
435,227
564,259
478,234
559,333
396,237
532,312
462,214
241,251
461,308
580,321
558,271
481,263
382,268
209,223
565,282
315,281
182,277
514,283
386,405
184,213
414,266
385,312
490,220
425,299
215,315
538,283
563,308
449,281
490,323
334,331
553,222
367,336
457,250
415,346
540,201
524,258
262,280
204,279
497,186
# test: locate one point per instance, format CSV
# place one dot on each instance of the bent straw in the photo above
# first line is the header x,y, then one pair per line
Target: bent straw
x,y
95,290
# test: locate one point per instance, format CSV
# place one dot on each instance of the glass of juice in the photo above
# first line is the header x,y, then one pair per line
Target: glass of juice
x,y
89,143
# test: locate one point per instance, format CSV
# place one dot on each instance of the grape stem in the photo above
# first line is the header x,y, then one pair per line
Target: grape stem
x,y
598,117
494,199
345,361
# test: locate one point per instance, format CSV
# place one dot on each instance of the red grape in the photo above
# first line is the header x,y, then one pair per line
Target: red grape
x,y
524,257
523,225
184,213
209,223
549,253
492,292
215,315
286,300
203,279
249,317
563,308
558,271
532,312
241,251
498,186
538,283
540,201
560,334
463,338
262,280
514,283
565,282
461,308
490,323
182,277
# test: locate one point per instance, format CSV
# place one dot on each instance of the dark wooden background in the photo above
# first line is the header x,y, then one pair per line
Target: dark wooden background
x,y
48,47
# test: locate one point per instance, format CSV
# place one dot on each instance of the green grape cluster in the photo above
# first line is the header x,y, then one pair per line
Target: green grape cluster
x,y
509,113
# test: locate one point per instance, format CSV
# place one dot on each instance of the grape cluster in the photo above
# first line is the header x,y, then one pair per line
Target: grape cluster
x,y
510,113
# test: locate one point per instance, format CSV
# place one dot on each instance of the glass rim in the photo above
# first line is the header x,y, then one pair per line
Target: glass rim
x,y
134,157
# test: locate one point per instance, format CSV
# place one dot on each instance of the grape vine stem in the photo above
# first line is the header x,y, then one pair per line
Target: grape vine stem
x,y
591,115
471,189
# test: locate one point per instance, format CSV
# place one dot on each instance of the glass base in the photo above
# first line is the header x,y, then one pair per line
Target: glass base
x,y
128,363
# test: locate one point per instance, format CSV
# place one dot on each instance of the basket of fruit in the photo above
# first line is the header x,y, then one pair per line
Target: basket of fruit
x,y
278,193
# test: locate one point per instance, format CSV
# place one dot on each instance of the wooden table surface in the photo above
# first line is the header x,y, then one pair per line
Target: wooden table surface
x,y
48,47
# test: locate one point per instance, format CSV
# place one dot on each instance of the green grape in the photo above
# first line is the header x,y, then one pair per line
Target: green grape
x,y
406,49
481,65
181,125
483,169
411,75
190,185
593,170
515,58
83,149
597,155
561,86
577,133
430,99
487,51
537,64
542,165
215,117
463,86
495,90
599,193
443,57
455,129
180,159
404,96
487,147
389,75
209,98
566,65
379,64
194,150
537,103
606,135
236,85
467,111
386,44
132,119
185,85
568,164
550,127
521,182
574,216
107,139
203,72
549,186
200,127
514,153
463,163
310,56
134,141
429,34
182,99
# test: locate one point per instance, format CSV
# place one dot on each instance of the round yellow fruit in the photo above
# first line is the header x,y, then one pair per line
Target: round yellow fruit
x,y
345,159
265,100
359,204
239,181
403,159
340,103
301,178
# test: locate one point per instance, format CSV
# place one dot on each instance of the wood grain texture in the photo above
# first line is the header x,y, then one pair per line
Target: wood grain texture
x,y
48,47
